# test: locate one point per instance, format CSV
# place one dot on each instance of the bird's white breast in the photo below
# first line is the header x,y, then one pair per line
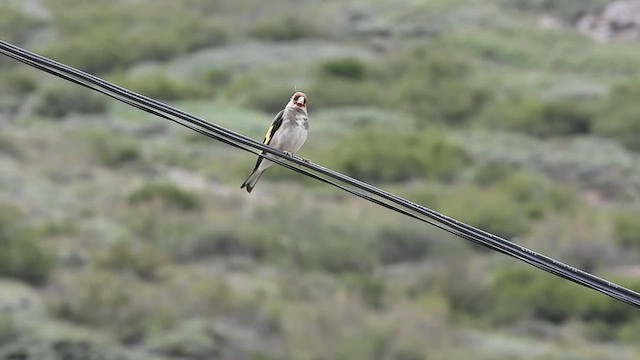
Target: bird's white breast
x,y
291,136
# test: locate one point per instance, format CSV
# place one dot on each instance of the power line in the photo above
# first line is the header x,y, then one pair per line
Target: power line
x,y
331,177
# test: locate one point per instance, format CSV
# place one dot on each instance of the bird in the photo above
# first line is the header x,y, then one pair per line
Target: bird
x,y
287,132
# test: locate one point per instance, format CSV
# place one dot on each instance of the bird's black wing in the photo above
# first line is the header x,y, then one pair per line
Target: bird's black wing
x,y
275,125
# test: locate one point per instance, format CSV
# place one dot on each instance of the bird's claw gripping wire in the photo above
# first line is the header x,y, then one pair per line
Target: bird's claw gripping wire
x,y
289,154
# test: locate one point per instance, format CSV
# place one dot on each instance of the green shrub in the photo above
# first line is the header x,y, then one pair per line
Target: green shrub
x,y
397,244
520,294
430,84
313,286
628,332
10,104
627,229
284,28
16,26
95,52
25,258
7,329
508,202
220,240
370,157
466,290
338,122
433,85
598,307
312,238
167,195
623,126
491,210
23,255
109,37
9,146
59,226
347,68
523,293
217,295
537,195
104,300
60,100
539,117
442,159
128,256
372,290
9,216
571,10
336,255
164,217
100,38
160,86
362,345
317,240
51,341
218,78
193,339
112,148
618,117
492,173
209,32
18,81
392,337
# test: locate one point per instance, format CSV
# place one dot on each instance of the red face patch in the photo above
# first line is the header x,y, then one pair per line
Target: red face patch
x,y
297,95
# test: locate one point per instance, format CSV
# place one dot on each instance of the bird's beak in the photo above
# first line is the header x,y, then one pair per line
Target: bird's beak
x,y
300,100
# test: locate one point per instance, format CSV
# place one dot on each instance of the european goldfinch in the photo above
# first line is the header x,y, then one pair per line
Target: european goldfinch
x,y
288,132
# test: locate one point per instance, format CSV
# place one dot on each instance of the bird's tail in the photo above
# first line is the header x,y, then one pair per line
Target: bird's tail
x,y
252,180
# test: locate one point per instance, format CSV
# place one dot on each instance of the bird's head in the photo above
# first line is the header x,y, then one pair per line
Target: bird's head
x,y
299,99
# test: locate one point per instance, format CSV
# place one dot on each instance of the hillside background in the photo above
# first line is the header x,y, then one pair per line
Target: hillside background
x,y
124,236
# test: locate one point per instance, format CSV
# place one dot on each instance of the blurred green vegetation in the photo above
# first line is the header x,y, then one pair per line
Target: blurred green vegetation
x,y
627,229
432,86
16,25
290,26
126,237
570,10
167,195
347,68
618,116
18,82
530,293
110,148
23,256
113,36
540,117
58,101
159,86
386,155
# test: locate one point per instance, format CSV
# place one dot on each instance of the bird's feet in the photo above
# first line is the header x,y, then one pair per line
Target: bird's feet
x,y
289,154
